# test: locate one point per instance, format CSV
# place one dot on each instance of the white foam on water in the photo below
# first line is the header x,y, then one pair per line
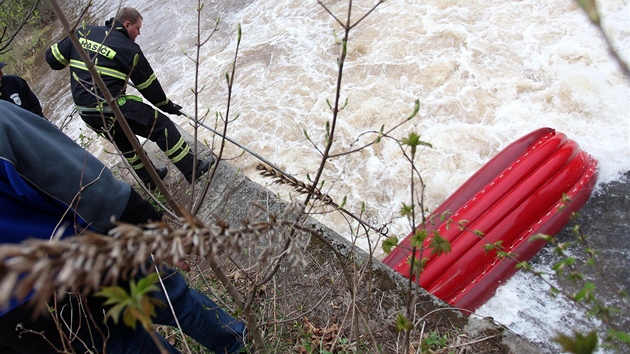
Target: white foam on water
x,y
485,73
524,305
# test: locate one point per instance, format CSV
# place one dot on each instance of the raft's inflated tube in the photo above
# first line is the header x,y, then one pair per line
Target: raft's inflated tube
x,y
511,201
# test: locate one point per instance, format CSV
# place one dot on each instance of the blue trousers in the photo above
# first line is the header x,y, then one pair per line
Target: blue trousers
x,y
199,317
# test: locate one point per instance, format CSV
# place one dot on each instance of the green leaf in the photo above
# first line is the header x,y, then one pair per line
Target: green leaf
x,y
403,323
579,295
502,255
345,103
622,336
417,240
578,344
536,237
590,286
380,134
416,109
489,247
114,311
129,318
522,265
134,306
418,267
576,230
146,284
586,293
390,243
427,144
412,140
114,294
343,202
575,277
439,244
406,210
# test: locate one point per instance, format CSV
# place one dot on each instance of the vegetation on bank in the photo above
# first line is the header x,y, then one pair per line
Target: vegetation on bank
x,y
24,28
253,284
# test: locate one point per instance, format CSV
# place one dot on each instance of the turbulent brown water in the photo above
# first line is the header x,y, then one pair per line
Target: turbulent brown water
x,y
485,73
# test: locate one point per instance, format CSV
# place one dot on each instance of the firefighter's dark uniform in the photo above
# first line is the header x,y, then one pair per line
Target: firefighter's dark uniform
x,y
15,90
117,58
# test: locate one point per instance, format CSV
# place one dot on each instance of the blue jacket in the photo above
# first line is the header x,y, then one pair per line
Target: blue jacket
x,y
49,183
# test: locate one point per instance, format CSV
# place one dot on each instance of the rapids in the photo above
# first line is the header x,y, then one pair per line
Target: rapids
x,y
485,73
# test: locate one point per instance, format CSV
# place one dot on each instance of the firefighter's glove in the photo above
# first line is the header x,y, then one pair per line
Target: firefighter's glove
x,y
172,108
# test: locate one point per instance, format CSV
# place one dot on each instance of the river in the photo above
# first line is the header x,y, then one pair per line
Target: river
x,y
485,73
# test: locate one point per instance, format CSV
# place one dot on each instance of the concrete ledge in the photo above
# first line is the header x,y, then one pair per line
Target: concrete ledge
x,y
321,286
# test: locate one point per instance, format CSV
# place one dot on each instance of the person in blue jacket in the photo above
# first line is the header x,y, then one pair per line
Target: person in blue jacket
x,y
48,181
16,90
118,59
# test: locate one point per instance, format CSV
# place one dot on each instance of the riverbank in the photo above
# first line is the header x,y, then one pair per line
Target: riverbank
x,y
314,300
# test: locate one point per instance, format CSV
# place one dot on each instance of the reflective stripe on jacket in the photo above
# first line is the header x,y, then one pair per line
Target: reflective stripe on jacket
x,y
117,58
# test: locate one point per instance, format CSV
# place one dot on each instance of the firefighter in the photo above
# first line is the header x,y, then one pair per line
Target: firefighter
x,y
118,59
15,90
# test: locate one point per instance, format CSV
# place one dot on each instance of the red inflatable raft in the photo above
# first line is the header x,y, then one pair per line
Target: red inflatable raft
x,y
517,194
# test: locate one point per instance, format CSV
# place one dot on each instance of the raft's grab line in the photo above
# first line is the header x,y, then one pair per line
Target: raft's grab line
x,y
517,194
